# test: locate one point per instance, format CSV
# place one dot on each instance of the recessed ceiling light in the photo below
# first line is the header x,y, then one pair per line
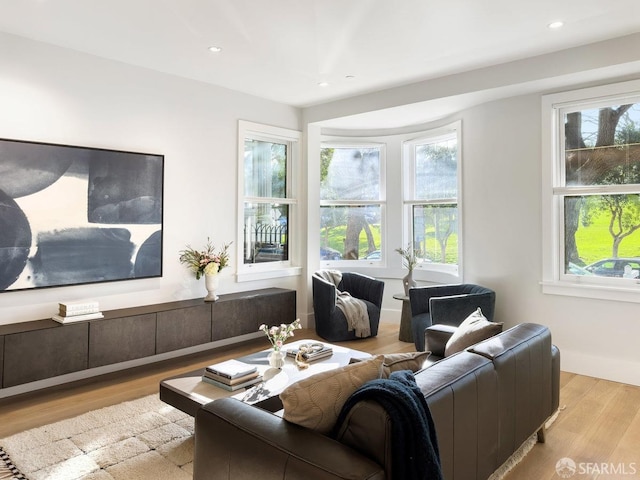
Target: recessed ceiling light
x,y
323,84
215,49
556,24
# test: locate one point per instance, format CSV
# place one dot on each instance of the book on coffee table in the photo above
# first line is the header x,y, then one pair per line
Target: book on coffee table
x,y
229,381
232,369
234,387
311,352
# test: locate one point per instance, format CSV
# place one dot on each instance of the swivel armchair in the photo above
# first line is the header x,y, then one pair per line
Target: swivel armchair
x,y
331,324
447,305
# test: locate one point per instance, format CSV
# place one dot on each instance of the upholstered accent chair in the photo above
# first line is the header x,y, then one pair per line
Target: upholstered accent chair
x,y
331,323
447,305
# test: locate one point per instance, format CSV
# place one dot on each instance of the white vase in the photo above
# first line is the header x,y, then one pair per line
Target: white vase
x,y
211,283
408,282
276,358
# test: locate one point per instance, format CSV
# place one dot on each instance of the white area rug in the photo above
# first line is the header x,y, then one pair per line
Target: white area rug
x,y
138,440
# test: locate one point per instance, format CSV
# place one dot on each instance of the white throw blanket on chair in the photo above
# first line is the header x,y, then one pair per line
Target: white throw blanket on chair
x,y
354,309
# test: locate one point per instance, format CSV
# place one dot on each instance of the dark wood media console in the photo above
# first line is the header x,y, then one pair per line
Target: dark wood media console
x,y
44,349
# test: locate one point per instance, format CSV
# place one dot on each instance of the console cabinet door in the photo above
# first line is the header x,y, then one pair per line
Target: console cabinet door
x,y
244,315
122,339
183,327
45,353
1,357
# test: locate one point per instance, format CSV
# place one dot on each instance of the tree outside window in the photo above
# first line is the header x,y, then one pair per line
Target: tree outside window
x,y
600,189
350,202
431,195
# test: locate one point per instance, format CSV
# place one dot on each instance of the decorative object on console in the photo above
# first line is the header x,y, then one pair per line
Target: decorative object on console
x,y
67,309
77,318
93,215
277,335
69,312
410,260
211,283
207,263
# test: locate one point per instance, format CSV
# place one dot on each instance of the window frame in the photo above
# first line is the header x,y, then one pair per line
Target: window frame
x,y
292,138
555,280
433,272
382,201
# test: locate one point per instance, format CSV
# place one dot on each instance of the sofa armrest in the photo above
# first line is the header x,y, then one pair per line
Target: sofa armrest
x,y
239,441
436,338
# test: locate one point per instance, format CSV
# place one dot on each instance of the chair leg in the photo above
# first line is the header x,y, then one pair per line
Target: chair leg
x,y
542,433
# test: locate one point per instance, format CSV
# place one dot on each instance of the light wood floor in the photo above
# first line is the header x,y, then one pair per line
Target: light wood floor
x,y
599,421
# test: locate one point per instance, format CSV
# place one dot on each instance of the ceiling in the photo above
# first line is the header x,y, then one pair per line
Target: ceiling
x,y
282,49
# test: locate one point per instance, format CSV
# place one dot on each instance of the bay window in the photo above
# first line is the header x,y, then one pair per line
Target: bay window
x,y
351,202
432,200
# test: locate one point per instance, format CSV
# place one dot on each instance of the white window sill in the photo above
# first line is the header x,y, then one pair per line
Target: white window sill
x,y
630,293
251,276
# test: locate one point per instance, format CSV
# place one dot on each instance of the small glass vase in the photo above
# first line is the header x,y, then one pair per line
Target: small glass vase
x,y
276,358
211,283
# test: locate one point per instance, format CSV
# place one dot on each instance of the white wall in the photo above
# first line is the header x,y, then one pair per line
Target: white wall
x,y
55,95
502,144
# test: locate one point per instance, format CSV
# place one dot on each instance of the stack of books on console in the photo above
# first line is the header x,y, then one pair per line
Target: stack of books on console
x,y
70,312
312,351
231,375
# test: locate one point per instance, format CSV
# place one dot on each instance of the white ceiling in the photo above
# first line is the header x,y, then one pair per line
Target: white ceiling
x,y
282,49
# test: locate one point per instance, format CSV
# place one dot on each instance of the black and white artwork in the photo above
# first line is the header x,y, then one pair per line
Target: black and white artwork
x,y
74,215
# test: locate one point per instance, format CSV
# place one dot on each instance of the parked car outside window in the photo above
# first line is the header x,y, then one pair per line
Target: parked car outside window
x,y
327,253
615,267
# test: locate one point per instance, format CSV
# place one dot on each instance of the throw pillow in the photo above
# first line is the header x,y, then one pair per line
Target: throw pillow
x,y
474,329
316,402
394,362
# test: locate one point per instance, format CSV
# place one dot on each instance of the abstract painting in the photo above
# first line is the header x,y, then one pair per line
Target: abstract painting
x,y
73,215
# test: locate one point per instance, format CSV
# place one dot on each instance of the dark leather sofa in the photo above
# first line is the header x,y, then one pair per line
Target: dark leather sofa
x,y
485,402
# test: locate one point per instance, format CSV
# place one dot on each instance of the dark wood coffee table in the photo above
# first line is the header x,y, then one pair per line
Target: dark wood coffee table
x,y
187,392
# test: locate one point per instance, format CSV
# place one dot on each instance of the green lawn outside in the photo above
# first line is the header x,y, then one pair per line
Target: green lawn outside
x,y
336,237
595,242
